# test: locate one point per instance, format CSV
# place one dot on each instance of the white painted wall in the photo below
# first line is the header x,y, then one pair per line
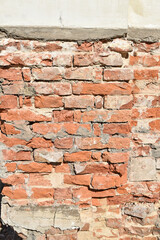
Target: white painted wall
x,y
144,14
64,13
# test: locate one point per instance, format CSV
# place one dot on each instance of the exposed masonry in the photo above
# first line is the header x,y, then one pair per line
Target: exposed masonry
x,y
80,139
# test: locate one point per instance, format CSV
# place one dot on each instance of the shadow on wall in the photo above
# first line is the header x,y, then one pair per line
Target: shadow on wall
x,y
6,231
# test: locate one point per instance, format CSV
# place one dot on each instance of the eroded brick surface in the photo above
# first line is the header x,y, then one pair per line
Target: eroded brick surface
x,y
80,139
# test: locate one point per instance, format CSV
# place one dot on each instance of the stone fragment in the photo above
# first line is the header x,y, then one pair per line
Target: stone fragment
x,y
142,169
67,217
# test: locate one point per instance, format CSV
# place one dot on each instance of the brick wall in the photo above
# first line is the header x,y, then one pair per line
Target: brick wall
x,y
80,139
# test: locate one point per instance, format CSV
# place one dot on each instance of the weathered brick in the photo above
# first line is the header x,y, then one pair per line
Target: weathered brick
x,y
83,59
48,73
146,74
115,157
118,74
121,45
48,155
63,143
118,102
83,73
79,102
62,89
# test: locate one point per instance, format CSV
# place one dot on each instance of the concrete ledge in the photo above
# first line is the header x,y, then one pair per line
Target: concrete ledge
x,y
79,34
55,33
142,34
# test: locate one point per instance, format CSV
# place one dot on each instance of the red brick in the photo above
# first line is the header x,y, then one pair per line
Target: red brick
x,y
11,167
102,88
39,143
120,116
63,116
64,143
48,102
47,73
35,167
146,74
42,193
85,46
118,74
115,157
100,182
147,47
44,128
79,102
47,46
24,114
62,193
7,102
103,194
19,193
17,156
9,129
97,129
63,168
152,113
119,143
77,179
10,142
84,156
26,72
12,74
155,125
81,193
14,179
114,128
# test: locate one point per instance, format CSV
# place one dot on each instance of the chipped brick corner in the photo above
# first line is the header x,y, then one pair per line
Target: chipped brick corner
x,y
80,139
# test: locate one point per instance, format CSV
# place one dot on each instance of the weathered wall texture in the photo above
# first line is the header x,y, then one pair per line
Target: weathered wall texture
x,y
80,139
